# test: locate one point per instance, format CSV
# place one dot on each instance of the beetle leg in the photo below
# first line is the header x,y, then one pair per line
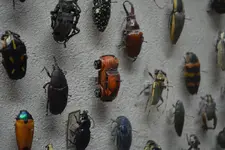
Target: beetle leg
x,y
113,133
46,71
151,75
214,122
44,87
204,119
146,104
71,141
160,104
47,108
72,132
145,89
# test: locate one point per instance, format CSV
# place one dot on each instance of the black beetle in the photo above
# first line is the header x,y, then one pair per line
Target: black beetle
x,y
14,55
122,133
221,138
78,136
57,90
179,117
64,20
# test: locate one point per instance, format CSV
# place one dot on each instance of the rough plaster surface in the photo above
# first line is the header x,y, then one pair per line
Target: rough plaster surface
x,y
32,21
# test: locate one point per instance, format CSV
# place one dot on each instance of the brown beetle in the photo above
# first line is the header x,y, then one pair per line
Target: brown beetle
x,y
108,78
132,36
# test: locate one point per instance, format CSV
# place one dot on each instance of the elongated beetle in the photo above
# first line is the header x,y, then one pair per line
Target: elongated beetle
x,y
78,137
122,133
57,90
220,49
64,20
24,128
101,13
208,111
193,142
221,138
179,117
132,36
108,80
216,5
152,145
49,147
192,73
157,88
14,55
14,2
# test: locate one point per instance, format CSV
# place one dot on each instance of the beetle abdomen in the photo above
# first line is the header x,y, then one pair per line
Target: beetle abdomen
x,y
156,93
134,42
192,77
82,138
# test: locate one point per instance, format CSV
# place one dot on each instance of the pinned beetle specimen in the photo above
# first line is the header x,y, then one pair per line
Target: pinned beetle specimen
x,y
220,49
64,20
49,147
24,130
132,36
101,12
57,90
221,138
192,72
216,5
193,142
78,130
152,145
208,111
157,88
179,117
14,56
108,78
14,2
122,133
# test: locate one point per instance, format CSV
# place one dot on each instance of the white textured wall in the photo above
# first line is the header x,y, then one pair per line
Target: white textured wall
x,y
32,21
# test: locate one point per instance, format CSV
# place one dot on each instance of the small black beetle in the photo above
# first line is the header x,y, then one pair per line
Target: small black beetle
x,y
64,20
122,133
78,136
57,90
179,117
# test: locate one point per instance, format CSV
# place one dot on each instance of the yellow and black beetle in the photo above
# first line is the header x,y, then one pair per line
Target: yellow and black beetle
x,y
24,127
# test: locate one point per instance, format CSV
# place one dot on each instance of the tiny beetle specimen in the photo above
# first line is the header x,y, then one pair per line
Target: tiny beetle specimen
x,y
132,36
221,138
192,72
157,88
193,142
24,127
78,130
152,145
208,111
64,20
122,133
108,78
179,117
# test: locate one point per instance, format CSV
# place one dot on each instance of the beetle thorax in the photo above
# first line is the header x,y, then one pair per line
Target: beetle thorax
x,y
58,79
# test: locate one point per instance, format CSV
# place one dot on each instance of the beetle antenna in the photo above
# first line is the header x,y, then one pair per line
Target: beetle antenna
x,y
92,120
132,8
158,5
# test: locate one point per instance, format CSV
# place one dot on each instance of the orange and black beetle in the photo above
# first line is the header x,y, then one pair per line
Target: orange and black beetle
x,y
132,36
24,130
192,72
108,77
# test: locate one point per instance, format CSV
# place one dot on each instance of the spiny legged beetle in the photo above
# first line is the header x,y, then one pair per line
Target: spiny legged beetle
x,y
122,133
78,136
57,90
208,111
193,142
64,20
157,88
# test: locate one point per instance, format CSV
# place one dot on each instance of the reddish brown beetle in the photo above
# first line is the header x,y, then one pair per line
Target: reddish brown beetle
x,y
108,79
132,36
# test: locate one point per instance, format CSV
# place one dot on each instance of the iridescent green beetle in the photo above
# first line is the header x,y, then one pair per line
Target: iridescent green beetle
x,y
220,50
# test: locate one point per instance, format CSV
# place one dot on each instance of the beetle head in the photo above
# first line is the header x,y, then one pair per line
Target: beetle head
x,y
24,115
160,75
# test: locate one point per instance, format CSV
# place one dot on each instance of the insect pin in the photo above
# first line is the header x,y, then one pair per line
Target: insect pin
x,y
24,128
221,138
192,74
57,90
157,88
101,13
132,36
179,117
14,55
78,130
64,20
193,142
122,133
216,5
49,147
152,145
220,50
108,81
208,111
